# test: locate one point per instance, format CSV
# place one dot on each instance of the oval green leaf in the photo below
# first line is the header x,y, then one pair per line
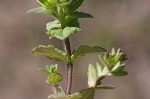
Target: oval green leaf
x,y
105,87
54,78
84,49
81,15
88,93
51,52
92,77
75,4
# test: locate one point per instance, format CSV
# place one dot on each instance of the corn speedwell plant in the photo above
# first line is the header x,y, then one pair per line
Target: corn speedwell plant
x,y
65,15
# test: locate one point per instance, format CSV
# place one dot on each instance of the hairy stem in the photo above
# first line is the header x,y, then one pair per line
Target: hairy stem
x,y
69,67
69,78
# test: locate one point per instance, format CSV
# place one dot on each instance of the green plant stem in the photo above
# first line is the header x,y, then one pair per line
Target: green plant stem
x,y
69,67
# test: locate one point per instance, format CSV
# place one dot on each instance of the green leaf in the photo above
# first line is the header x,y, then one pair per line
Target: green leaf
x,y
53,68
105,71
92,77
107,59
53,96
63,4
40,10
117,57
118,70
101,59
72,96
45,10
105,87
44,3
76,96
75,4
50,68
55,30
53,25
88,93
63,0
81,15
62,33
84,49
73,22
121,73
51,52
60,94
70,30
113,52
118,67
51,5
99,70
53,2
54,78
58,90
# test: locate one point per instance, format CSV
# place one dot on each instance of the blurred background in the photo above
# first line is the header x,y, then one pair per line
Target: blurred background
x,y
121,24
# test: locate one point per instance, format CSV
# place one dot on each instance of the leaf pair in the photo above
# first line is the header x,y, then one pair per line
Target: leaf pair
x,y
84,49
54,53
83,94
51,52
60,94
50,69
54,29
53,77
